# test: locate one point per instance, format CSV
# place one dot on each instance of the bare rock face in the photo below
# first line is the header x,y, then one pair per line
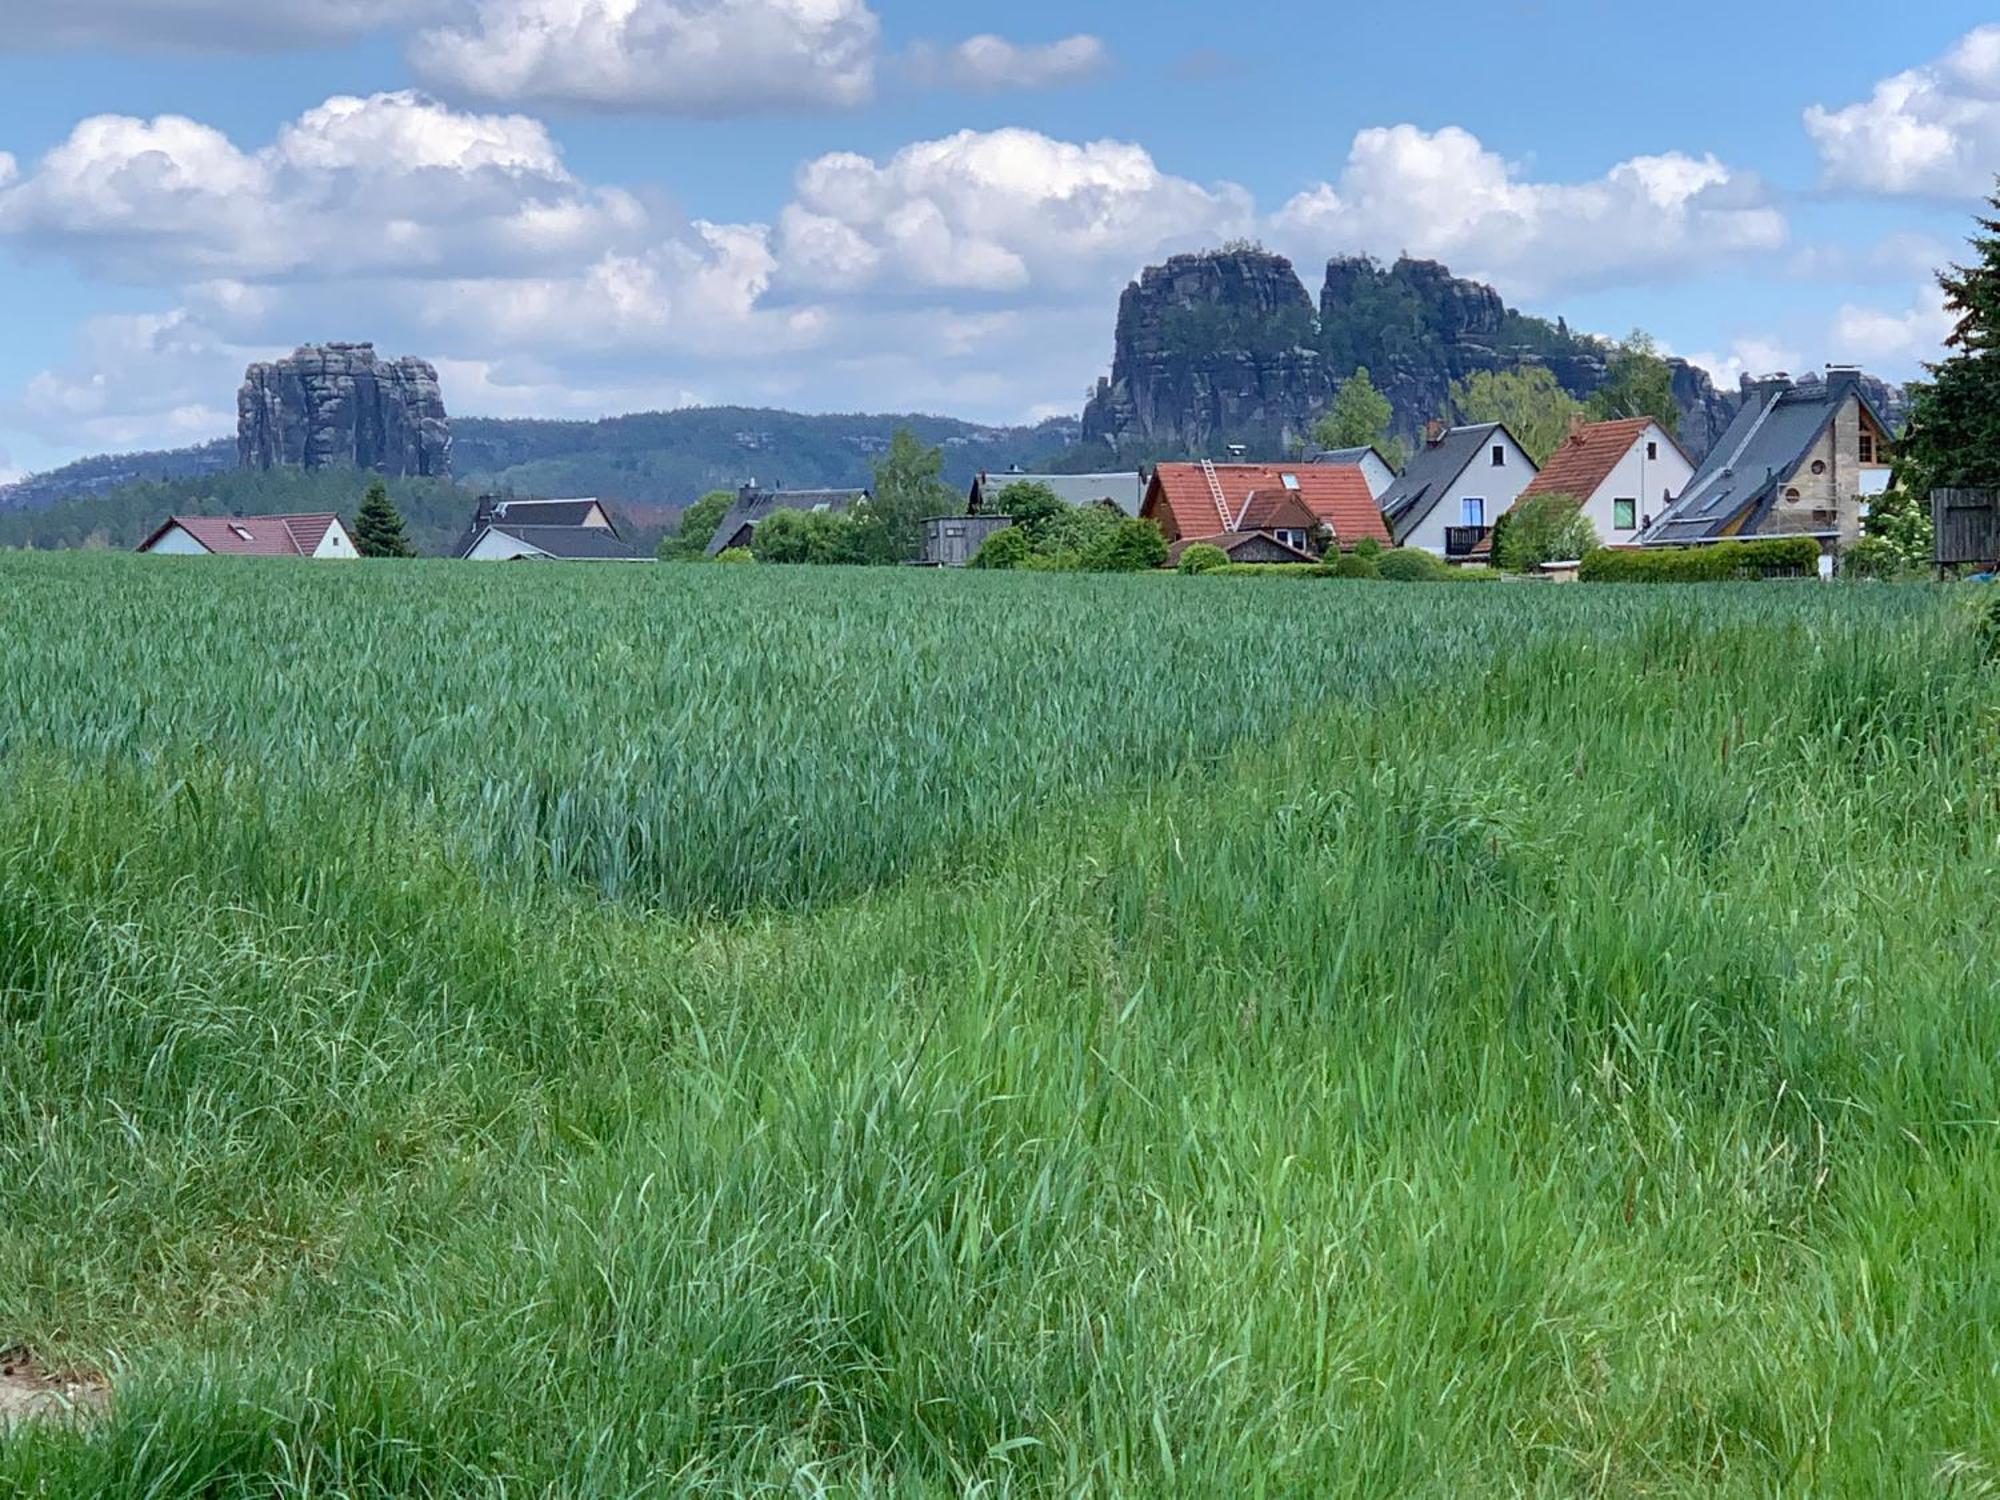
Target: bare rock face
x,y
1212,349
339,406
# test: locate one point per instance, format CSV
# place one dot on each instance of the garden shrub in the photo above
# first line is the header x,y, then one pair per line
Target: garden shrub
x,y
1872,558
1007,550
736,555
1354,565
1412,565
1719,562
1203,557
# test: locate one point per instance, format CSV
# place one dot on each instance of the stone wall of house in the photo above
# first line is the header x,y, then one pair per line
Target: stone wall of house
x,y
1830,498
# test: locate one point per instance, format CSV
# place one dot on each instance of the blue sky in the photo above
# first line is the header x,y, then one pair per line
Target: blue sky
x,y
579,207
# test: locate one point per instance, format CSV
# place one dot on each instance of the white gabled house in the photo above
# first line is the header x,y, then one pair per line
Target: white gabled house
x,y
543,531
1456,486
319,537
1624,474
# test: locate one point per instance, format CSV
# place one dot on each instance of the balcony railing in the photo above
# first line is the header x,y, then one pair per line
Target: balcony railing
x,y
1464,541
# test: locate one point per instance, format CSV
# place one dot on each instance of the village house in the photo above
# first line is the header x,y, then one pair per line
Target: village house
x,y
1456,486
754,506
1376,469
1124,493
543,531
319,537
1799,460
1224,503
1623,474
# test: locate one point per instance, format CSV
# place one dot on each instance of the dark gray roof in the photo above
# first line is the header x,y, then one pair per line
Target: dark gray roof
x,y
1349,457
573,543
544,512
1431,473
1770,437
1126,491
751,509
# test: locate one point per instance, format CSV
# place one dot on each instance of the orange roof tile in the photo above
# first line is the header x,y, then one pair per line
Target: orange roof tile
x,y
1586,458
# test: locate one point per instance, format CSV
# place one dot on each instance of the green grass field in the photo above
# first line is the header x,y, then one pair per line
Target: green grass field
x,y
679,1031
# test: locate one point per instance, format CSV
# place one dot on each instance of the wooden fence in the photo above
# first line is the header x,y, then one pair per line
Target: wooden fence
x,y
1968,526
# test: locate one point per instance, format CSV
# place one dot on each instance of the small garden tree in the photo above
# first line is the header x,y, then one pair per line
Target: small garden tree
x,y
1203,557
1544,529
378,527
1128,547
1003,551
697,528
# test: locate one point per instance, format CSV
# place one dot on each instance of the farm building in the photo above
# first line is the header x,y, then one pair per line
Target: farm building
x,y
543,531
320,537
1200,502
1799,460
754,506
1457,485
1622,473
1967,524
1122,492
1376,469
953,541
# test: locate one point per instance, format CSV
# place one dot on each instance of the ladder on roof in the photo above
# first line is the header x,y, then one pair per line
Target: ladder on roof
x,y
1215,490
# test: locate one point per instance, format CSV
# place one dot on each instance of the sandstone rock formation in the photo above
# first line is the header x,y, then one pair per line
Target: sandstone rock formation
x,y
339,406
1223,348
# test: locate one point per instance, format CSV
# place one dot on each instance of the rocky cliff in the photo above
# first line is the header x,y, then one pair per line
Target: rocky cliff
x,y
339,406
1211,350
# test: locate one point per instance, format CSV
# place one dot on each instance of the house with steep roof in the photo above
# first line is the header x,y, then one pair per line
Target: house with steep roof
x,y
543,531
320,537
1375,468
1124,493
1622,474
1203,501
1455,487
1799,460
754,506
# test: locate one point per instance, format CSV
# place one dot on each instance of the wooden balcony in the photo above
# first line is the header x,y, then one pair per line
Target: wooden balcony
x,y
1465,541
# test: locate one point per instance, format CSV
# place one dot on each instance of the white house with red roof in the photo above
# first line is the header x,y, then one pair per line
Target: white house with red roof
x,y
1624,474
1204,501
319,537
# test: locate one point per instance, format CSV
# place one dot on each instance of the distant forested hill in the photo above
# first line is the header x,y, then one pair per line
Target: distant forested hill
x,y
646,466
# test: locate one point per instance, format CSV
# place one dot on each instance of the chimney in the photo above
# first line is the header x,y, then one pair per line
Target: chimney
x,y
1577,422
1770,387
484,515
1842,380
1434,431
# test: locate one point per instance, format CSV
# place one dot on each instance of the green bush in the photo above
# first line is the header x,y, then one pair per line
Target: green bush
x,y
1719,562
1543,529
1203,557
1004,550
1412,565
1369,548
1354,565
1128,547
1272,570
736,555
1872,558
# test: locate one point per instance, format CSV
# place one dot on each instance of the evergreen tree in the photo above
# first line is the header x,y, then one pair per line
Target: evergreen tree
x,y
1954,437
1359,418
378,529
1638,383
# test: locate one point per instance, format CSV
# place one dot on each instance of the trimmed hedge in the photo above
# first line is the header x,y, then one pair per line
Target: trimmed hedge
x,y
1720,562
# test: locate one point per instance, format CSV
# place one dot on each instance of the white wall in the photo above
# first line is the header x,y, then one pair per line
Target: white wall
x,y
337,546
496,547
1499,487
1652,482
177,543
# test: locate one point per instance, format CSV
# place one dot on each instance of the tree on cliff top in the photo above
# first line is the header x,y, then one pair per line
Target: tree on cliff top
x,y
1528,401
378,528
1638,384
1954,437
1359,418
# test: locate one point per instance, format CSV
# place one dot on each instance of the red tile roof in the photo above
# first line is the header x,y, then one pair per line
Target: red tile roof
x,y
1587,457
1180,499
1275,510
252,536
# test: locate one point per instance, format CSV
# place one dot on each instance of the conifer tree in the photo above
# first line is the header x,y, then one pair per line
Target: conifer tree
x,y
1954,437
378,529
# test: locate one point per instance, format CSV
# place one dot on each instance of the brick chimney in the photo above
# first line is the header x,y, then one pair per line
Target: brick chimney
x,y
1578,420
1434,431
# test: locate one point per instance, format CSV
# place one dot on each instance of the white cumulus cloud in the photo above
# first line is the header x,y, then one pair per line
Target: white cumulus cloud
x,y
708,58
990,64
1896,338
996,212
1442,194
1933,130
352,186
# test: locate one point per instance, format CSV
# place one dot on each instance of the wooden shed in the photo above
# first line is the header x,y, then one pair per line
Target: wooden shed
x,y
953,541
1967,523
